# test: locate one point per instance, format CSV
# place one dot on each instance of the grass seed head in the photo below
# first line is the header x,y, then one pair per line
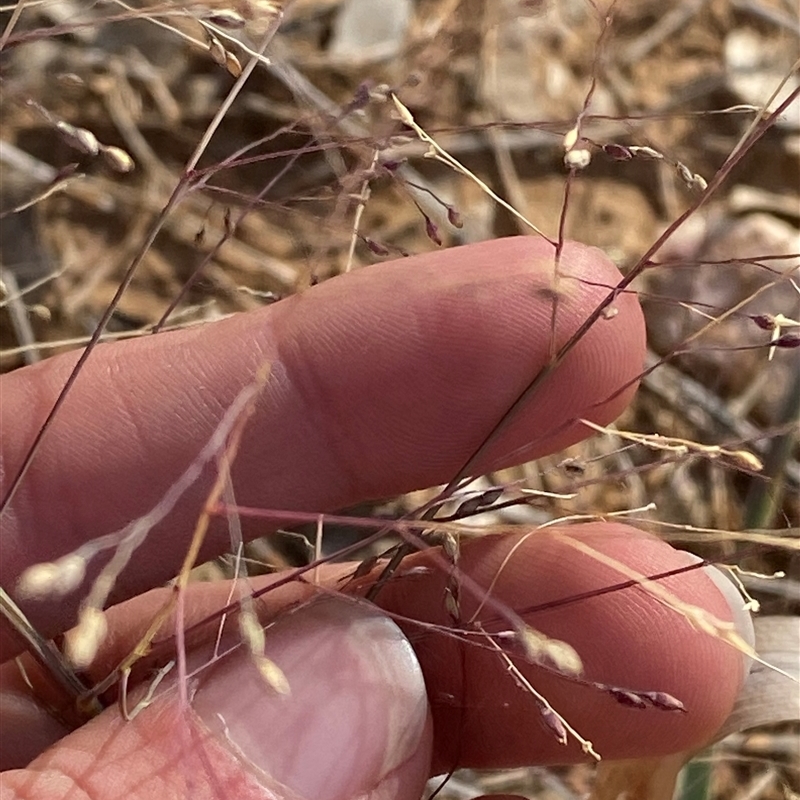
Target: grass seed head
x,y
82,642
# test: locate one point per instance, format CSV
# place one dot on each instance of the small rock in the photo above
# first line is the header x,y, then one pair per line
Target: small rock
x,y
370,29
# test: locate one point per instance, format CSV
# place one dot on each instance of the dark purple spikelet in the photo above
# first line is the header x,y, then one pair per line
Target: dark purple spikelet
x,y
375,247
491,496
787,340
636,699
454,217
469,507
432,230
553,724
361,97
662,700
65,172
626,698
617,152
764,321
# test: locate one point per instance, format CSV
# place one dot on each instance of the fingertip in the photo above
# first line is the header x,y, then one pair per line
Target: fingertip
x,y
382,381
348,716
334,708
627,638
475,328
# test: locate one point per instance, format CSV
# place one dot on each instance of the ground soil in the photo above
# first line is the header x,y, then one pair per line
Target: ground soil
x,y
498,85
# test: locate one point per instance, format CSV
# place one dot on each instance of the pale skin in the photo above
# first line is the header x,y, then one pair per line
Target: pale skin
x,y
381,382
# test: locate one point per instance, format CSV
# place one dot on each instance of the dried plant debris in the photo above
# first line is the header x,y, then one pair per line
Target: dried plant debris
x,y
290,142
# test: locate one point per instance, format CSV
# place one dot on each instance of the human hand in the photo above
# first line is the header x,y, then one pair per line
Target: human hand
x,y
381,381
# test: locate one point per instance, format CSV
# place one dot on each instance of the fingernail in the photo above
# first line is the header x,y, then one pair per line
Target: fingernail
x,y
355,712
739,614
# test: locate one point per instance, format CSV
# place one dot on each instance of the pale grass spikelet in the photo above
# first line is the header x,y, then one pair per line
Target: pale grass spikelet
x,y
118,159
646,152
232,64
575,157
71,571
253,635
539,647
87,140
52,578
69,80
749,603
747,459
37,581
272,674
684,173
42,312
405,115
610,312
226,18
216,50
80,138
451,546
570,139
252,632
682,447
82,642
691,179
380,92
579,158
222,56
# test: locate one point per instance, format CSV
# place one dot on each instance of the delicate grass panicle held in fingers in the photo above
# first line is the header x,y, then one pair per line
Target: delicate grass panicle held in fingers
x,y
479,441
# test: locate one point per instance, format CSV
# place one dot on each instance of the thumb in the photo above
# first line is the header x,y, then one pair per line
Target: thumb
x,y
354,723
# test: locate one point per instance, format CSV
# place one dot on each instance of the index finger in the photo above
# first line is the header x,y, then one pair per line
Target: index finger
x,y
382,381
